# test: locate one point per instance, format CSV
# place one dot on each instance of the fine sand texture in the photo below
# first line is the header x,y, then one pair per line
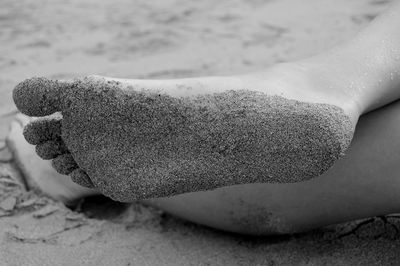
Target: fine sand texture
x,y
138,144
164,39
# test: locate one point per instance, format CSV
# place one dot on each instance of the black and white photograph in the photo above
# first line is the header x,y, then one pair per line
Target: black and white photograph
x,y
213,132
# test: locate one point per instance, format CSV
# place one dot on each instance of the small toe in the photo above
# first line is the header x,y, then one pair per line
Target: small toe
x,y
81,178
39,96
64,164
43,129
51,149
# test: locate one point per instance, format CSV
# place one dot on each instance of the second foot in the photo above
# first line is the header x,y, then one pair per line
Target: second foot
x,y
137,139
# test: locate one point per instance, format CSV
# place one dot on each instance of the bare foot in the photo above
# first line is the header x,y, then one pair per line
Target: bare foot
x,y
135,139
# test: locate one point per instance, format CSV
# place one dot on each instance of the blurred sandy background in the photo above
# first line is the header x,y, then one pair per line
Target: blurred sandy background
x,y
164,39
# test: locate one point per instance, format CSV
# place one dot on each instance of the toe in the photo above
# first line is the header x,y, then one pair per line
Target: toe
x,y
81,178
39,96
51,149
43,129
64,164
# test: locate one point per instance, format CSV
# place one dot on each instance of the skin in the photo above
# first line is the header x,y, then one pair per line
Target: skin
x,y
359,76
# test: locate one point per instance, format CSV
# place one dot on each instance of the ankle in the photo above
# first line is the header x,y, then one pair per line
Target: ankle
x,y
367,69
343,77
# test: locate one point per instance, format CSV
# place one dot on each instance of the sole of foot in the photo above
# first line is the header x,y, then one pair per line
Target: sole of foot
x,y
135,139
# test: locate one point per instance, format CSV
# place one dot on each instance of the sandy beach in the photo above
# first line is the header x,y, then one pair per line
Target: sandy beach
x,y
165,39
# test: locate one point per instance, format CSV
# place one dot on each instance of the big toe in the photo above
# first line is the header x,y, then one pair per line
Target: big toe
x,y
39,96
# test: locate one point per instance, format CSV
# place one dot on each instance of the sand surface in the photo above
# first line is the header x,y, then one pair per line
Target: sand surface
x,y
165,39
